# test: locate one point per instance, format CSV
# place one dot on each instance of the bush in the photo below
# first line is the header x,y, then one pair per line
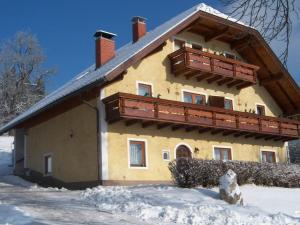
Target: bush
x,y
193,172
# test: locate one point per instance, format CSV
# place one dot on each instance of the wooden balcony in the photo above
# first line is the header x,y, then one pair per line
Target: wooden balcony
x,y
190,63
163,113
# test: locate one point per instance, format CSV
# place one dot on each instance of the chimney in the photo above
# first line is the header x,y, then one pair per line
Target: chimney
x,y
105,47
138,28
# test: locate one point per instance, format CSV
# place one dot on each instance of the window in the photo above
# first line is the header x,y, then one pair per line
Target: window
x,y
222,153
197,47
166,155
178,44
194,98
137,154
228,104
260,110
144,90
267,156
48,164
229,55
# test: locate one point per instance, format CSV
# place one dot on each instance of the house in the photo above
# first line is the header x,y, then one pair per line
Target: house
x,y
200,85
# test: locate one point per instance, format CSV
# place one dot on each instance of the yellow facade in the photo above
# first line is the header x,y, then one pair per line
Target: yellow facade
x,y
155,70
71,137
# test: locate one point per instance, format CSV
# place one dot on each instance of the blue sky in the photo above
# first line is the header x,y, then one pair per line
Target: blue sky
x,y
65,28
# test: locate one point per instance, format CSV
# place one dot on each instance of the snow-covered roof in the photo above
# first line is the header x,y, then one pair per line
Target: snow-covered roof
x,y
91,76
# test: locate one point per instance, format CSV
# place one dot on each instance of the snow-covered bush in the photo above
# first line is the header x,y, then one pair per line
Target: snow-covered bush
x,y
193,172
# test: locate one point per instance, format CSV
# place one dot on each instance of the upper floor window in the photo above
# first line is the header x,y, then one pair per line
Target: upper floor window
x,y
197,47
229,55
228,104
222,153
144,90
194,98
178,44
267,156
137,153
260,110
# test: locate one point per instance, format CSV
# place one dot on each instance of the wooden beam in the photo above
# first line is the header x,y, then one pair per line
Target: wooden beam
x,y
270,138
271,79
233,83
213,79
189,129
130,122
217,34
203,76
250,135
216,131
224,81
261,136
203,130
226,133
147,124
244,85
287,96
176,127
240,134
162,125
191,74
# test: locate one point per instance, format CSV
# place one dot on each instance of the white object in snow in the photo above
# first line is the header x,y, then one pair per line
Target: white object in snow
x,y
229,189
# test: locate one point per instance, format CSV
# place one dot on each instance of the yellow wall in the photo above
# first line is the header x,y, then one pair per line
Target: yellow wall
x,y
166,139
74,158
156,70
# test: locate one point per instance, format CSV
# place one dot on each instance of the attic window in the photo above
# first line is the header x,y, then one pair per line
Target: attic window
x,y
229,55
178,44
197,47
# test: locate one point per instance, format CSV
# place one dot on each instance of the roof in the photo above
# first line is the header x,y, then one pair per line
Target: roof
x,y
90,76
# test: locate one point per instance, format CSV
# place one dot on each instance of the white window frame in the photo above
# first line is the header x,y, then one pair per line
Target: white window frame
x,y
146,153
145,83
233,104
268,150
231,53
193,92
222,146
179,39
260,104
169,153
187,145
44,165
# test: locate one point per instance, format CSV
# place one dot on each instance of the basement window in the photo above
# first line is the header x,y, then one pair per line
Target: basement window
x,y
48,165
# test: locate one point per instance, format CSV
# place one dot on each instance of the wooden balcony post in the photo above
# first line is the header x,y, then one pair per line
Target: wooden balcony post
x,y
186,114
237,121
156,109
259,124
214,118
280,127
122,104
212,64
234,70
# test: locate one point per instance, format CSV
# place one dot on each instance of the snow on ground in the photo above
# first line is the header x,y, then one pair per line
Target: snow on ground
x,y
6,144
169,204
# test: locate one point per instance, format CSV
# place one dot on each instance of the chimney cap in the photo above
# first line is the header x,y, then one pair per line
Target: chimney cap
x,y
105,34
138,19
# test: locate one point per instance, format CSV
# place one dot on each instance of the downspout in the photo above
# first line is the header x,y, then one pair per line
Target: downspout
x,y
98,136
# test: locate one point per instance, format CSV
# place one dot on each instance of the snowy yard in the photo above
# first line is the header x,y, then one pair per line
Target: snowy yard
x,y
23,203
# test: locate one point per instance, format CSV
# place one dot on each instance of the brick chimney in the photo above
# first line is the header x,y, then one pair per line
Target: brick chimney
x,y
105,47
139,28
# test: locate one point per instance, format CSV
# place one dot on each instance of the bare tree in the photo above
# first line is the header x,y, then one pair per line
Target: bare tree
x,y
273,18
22,78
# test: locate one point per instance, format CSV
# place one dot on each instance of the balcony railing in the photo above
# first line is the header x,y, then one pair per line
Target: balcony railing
x,y
213,68
163,113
